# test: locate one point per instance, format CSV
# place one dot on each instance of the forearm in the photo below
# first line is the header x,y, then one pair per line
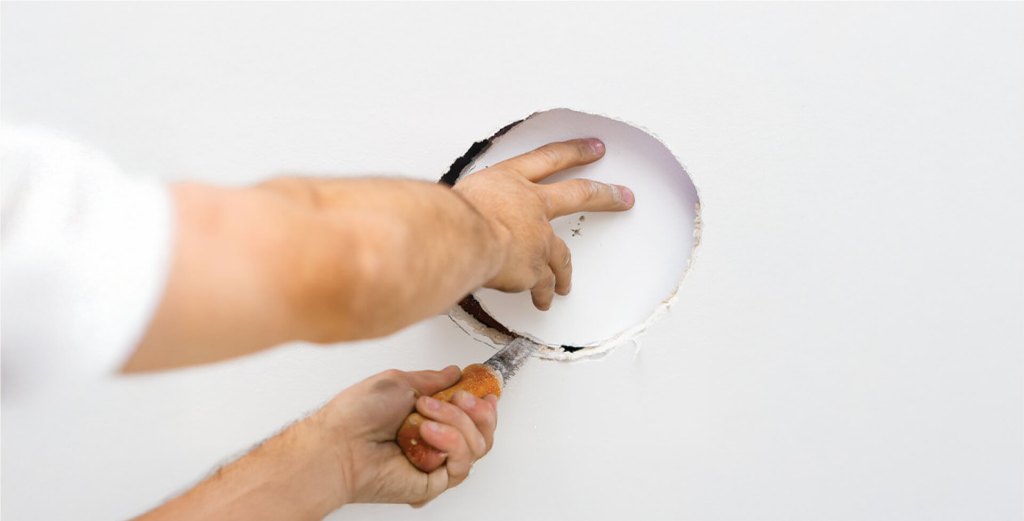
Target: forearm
x,y
327,260
312,259
294,475
388,253
346,452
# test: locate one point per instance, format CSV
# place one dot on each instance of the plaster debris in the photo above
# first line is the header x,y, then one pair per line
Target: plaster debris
x,y
577,229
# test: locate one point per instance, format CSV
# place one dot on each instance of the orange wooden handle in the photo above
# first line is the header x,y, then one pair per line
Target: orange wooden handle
x,y
477,379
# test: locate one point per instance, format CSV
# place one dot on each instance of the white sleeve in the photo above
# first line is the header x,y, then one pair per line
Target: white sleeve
x,y
85,254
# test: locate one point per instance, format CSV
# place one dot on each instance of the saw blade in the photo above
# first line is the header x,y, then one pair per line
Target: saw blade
x,y
511,357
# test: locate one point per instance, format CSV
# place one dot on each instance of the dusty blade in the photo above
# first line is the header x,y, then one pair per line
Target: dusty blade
x,y
511,357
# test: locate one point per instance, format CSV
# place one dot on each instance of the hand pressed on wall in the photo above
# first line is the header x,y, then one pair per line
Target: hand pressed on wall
x,y
333,259
509,197
346,453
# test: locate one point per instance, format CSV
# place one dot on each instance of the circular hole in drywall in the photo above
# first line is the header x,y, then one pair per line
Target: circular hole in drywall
x,y
627,267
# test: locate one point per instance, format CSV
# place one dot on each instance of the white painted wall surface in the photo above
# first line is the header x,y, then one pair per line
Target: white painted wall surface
x,y
849,345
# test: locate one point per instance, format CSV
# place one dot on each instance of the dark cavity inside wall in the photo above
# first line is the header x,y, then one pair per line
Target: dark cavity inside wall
x,y
470,304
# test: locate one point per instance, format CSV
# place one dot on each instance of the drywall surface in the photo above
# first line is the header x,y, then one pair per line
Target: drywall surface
x,y
846,347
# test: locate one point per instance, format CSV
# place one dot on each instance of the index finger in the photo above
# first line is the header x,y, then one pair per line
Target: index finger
x,y
585,195
555,157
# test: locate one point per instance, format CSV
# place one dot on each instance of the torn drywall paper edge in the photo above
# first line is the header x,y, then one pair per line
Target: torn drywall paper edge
x,y
596,350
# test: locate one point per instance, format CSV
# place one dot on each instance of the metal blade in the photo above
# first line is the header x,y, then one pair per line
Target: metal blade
x,y
511,357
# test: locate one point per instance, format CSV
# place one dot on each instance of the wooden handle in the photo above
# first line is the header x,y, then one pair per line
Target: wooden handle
x,y
478,380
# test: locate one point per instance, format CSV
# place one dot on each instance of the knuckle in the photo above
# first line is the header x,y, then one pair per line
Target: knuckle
x,y
469,403
549,155
511,169
470,416
390,379
466,418
561,254
549,202
544,285
485,413
484,407
547,278
539,270
585,188
393,377
451,412
457,477
477,415
488,416
391,373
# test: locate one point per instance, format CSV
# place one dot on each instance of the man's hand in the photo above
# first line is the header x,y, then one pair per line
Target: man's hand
x,y
346,453
518,208
365,419
329,260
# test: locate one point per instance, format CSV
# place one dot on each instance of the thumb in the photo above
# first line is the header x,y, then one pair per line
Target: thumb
x,y
430,382
585,195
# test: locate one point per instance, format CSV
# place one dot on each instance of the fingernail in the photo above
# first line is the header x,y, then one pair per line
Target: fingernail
x,y
467,399
433,404
597,147
626,195
435,427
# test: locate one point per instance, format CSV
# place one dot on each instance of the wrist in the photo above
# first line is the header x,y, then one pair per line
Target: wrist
x,y
292,475
497,238
323,464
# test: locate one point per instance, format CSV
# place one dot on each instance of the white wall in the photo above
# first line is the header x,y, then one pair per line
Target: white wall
x,y
848,346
